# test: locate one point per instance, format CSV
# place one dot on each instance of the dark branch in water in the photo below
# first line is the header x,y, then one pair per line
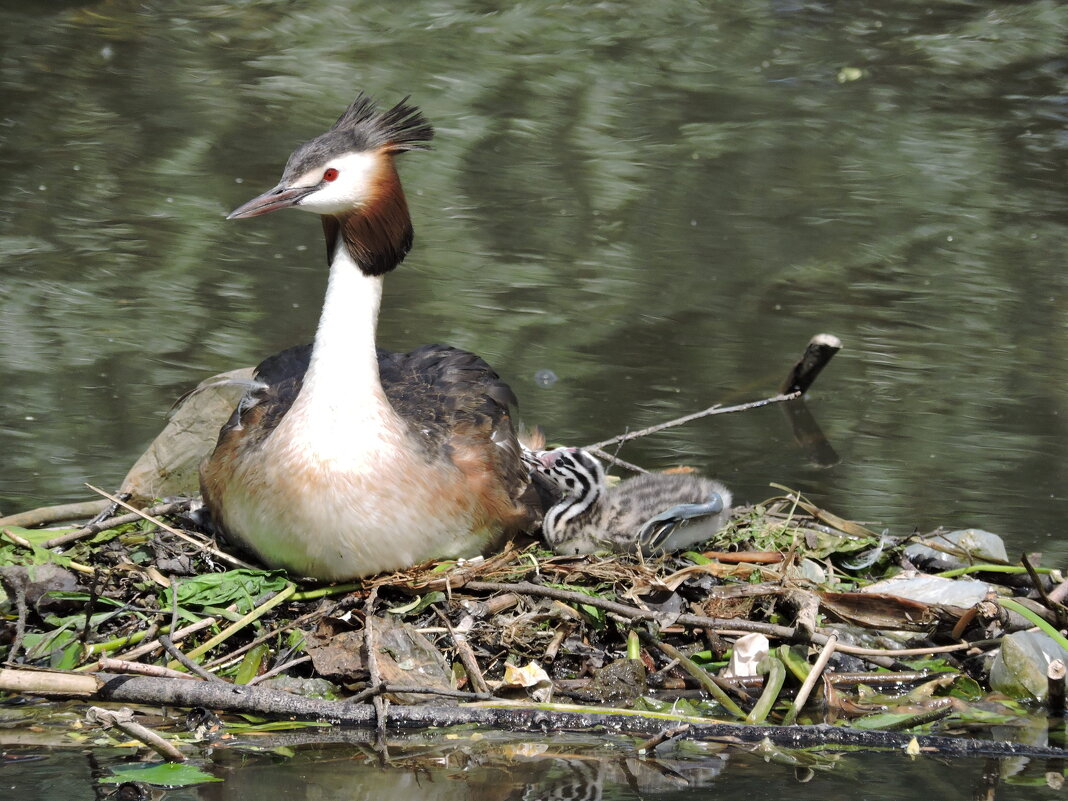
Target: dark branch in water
x,y
821,349
511,716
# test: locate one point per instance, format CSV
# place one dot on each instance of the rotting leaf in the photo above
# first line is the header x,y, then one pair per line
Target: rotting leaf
x,y
878,611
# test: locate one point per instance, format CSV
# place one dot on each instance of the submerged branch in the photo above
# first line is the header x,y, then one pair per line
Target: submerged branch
x,y
523,717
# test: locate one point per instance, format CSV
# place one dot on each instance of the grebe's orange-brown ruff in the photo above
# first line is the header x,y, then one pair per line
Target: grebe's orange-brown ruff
x,y
343,460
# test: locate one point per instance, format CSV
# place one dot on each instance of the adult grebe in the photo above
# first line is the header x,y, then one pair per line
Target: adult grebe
x,y
343,460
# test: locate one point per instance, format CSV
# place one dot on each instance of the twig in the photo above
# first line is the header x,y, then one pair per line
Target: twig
x,y
1059,612
280,669
113,522
220,555
820,350
813,677
613,459
109,665
662,737
123,720
465,652
227,657
704,678
380,706
53,514
383,688
235,627
19,591
185,661
22,542
711,410
152,645
632,612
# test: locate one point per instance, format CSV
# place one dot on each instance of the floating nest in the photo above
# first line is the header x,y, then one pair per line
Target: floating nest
x,y
771,626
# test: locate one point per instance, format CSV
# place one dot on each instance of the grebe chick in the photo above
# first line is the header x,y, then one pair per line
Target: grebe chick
x,y
343,460
655,512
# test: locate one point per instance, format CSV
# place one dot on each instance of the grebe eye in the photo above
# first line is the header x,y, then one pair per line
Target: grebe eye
x,y
330,175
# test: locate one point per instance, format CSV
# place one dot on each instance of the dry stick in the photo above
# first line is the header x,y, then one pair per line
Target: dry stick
x,y
280,669
632,612
379,689
20,622
820,350
152,645
112,522
662,737
123,720
172,649
22,542
810,681
1059,593
185,661
498,714
220,555
553,648
466,652
235,627
1058,610
1055,701
227,657
711,410
380,705
611,458
109,665
54,514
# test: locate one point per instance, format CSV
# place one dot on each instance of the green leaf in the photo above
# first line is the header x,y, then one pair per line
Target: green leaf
x,y
164,774
35,536
418,605
240,586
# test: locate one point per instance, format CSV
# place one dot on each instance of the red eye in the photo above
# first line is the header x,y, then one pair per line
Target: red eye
x,y
330,175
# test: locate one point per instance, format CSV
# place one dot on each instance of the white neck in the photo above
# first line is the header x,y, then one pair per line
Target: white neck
x,y
342,386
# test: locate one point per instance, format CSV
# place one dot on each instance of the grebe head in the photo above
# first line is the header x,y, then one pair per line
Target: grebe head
x,y
345,169
347,176
572,470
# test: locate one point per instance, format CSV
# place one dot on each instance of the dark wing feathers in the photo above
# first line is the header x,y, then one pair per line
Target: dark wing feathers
x,y
434,388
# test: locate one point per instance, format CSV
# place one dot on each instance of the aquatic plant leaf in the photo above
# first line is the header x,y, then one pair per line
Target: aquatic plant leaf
x,y
36,536
884,720
418,605
241,587
795,757
164,774
274,725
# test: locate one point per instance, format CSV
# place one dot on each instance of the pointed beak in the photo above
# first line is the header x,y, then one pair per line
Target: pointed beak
x,y
280,197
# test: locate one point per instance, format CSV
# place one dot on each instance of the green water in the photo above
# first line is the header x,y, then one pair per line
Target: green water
x,y
658,202
468,765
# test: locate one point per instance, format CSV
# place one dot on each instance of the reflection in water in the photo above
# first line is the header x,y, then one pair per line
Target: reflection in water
x,y
657,204
592,767
587,768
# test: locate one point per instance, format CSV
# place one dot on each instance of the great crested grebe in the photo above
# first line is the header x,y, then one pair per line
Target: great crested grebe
x,y
652,513
343,460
